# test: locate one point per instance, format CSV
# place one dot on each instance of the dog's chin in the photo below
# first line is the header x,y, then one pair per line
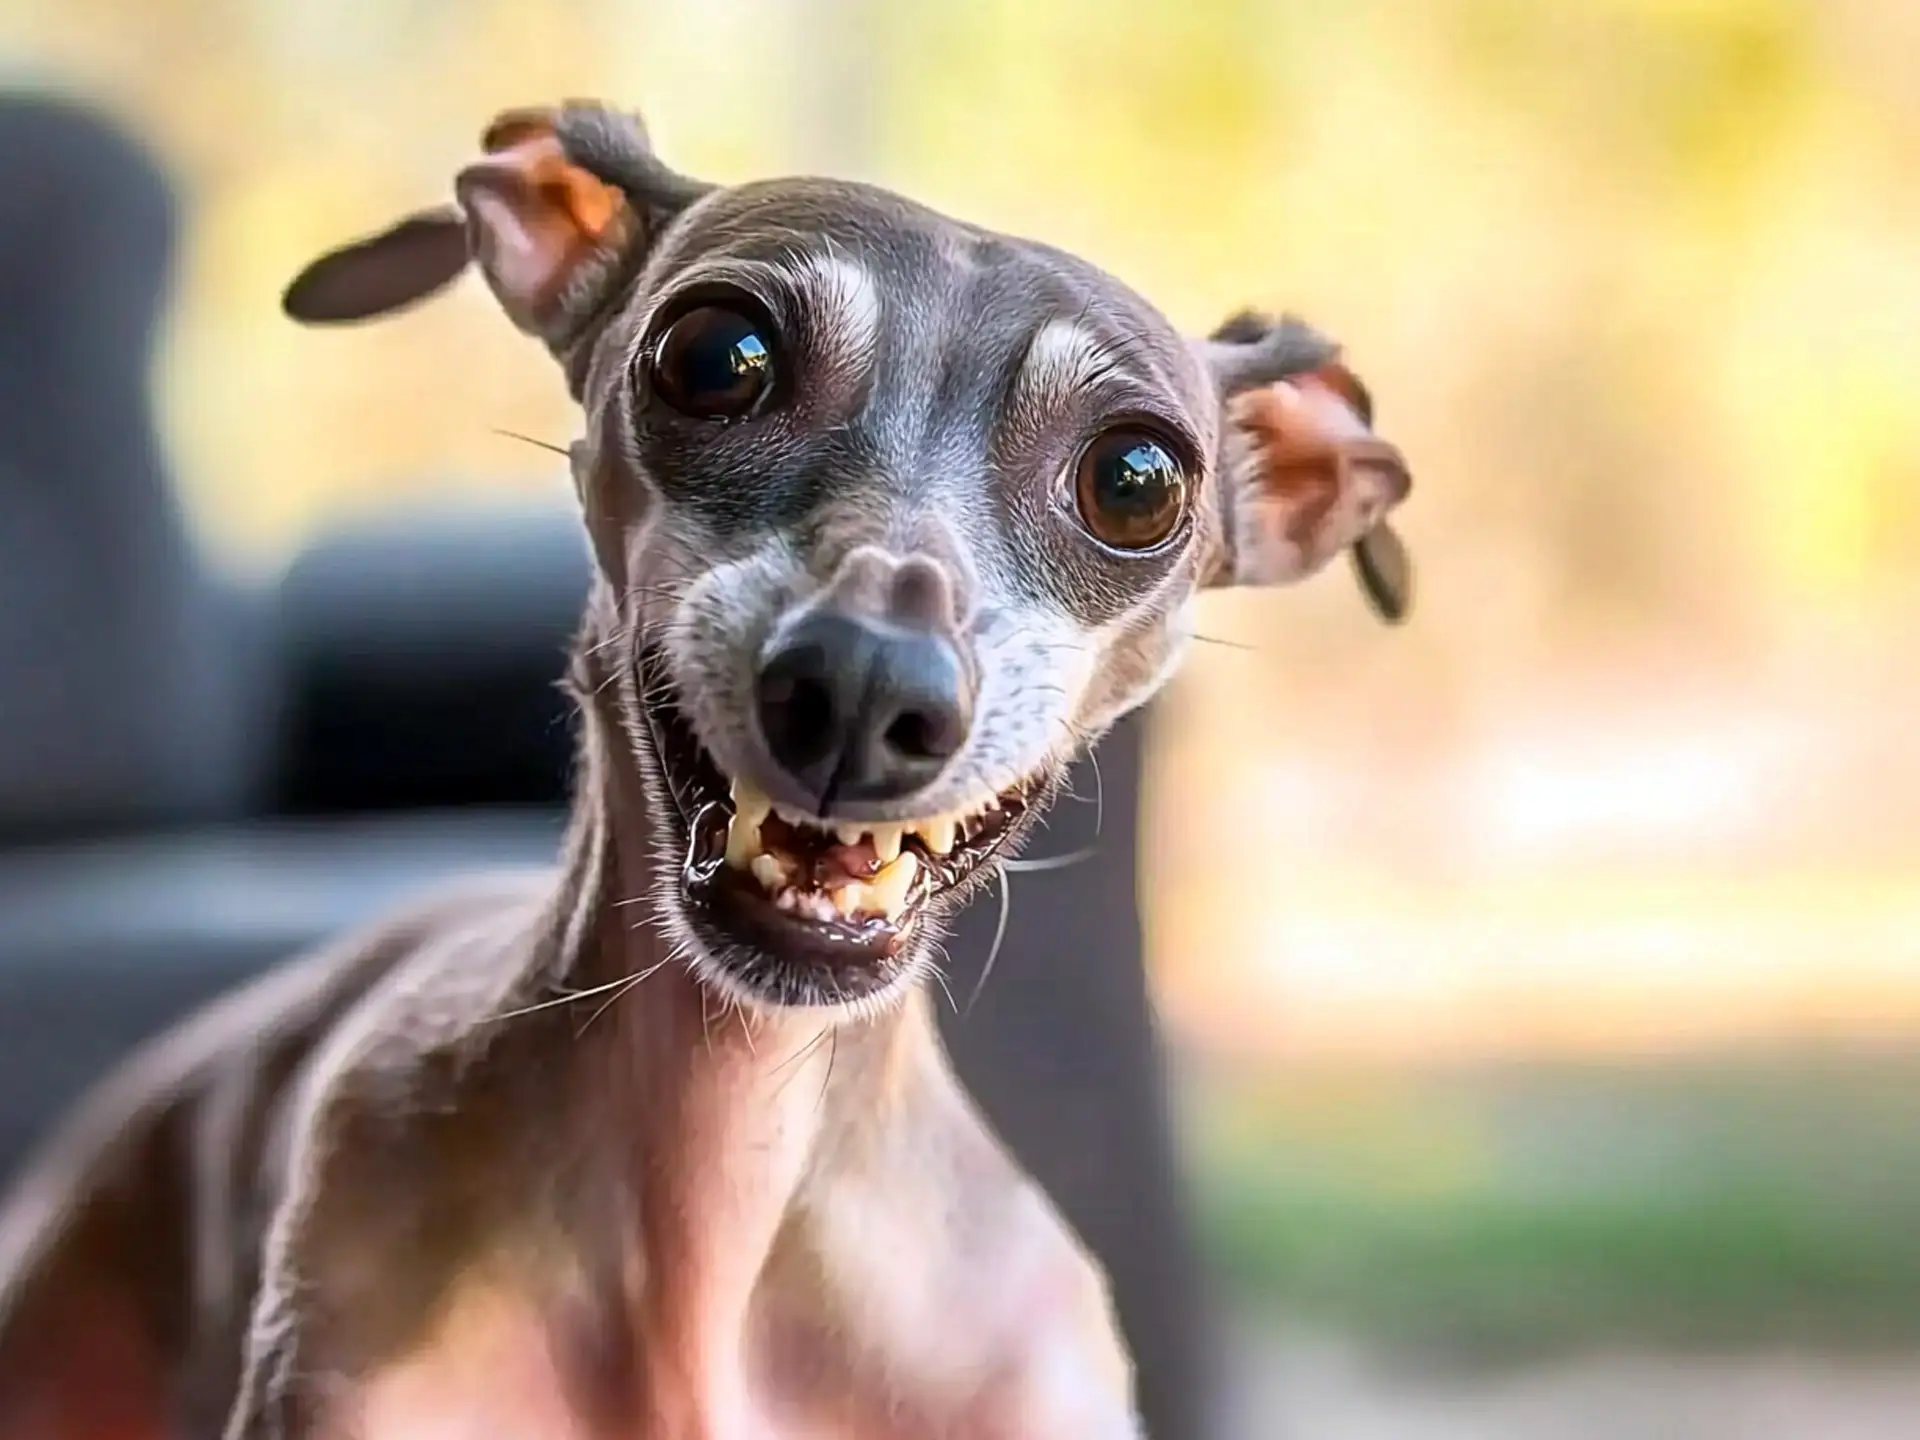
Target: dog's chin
x,y
781,910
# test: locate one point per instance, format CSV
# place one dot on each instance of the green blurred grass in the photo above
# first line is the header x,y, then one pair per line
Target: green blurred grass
x,y
1715,1204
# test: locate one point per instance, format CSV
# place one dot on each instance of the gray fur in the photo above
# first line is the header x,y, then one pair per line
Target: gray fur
x,y
275,1204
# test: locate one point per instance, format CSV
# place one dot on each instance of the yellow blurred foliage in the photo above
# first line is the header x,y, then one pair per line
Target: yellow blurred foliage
x,y
1637,283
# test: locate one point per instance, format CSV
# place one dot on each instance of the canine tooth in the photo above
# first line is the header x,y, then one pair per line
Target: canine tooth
x,y
886,843
938,833
750,808
852,898
849,834
887,891
769,872
743,842
749,803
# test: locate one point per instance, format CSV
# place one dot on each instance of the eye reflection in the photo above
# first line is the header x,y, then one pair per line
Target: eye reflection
x,y
1129,490
714,363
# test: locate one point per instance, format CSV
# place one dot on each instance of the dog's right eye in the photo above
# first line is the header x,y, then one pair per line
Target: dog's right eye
x,y
1129,490
714,363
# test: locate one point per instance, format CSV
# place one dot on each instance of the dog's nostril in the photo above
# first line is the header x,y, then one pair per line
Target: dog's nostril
x,y
859,710
924,735
798,713
809,716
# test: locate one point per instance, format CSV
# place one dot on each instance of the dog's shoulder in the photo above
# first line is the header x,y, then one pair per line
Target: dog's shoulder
x,y
224,1086
474,956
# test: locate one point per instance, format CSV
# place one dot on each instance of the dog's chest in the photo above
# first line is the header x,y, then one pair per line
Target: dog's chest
x,y
991,1357
500,1366
490,1368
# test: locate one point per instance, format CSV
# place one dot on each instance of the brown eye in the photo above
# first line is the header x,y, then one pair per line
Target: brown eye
x,y
1129,490
714,363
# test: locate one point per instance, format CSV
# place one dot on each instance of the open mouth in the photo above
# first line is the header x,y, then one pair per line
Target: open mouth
x,y
823,908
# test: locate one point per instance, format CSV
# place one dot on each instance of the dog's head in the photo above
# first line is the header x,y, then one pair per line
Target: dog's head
x,y
892,515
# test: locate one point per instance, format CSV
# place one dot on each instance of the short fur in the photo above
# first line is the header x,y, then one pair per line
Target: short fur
x,y
556,1156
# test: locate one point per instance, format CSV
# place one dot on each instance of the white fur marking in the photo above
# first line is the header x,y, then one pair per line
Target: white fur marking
x,y
846,304
1064,356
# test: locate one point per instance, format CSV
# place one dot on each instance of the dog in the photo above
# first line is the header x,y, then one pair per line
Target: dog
x,y
891,517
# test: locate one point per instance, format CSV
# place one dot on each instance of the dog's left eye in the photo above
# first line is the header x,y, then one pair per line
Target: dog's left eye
x,y
714,363
1129,490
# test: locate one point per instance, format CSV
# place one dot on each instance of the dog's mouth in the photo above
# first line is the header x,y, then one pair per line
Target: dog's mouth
x,y
830,905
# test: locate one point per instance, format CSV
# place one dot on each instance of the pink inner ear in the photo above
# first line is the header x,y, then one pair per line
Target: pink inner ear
x,y
518,264
1316,480
534,220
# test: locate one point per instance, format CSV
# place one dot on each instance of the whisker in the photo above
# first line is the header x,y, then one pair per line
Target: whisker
x,y
940,979
999,936
1228,644
804,1051
572,995
706,1024
1051,862
631,984
1099,794
833,1054
537,444
617,640
678,952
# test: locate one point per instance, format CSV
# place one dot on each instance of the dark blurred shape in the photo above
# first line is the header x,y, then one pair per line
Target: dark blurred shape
x,y
1060,1046
122,664
423,655
198,782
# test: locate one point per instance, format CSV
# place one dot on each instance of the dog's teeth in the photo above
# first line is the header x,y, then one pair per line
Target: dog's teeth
x,y
853,898
750,808
938,833
849,834
743,843
886,843
887,891
749,803
771,874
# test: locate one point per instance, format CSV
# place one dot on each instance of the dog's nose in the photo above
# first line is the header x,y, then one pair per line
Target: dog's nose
x,y
857,709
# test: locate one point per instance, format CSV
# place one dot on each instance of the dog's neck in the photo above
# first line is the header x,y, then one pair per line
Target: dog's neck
x,y
733,1125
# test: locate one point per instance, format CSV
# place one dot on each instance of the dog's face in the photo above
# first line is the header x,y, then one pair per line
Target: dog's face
x,y
893,515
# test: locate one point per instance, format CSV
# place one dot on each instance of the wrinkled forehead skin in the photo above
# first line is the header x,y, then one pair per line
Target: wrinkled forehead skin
x,y
941,369
945,297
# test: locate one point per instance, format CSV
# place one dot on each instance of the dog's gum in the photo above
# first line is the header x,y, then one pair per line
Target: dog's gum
x,y
824,860
813,869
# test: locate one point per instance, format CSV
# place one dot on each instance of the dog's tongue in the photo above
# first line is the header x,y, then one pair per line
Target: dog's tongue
x,y
842,862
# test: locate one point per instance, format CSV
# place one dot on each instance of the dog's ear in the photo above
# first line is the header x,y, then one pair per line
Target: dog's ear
x,y
1302,475
556,213
382,273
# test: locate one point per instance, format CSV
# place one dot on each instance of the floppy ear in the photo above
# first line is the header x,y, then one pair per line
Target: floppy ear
x,y
544,214
382,273
1302,474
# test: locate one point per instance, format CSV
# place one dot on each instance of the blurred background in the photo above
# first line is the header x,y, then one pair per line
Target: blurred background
x,y
1543,977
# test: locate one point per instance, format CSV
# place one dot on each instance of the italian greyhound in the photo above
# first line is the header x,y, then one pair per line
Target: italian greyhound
x,y
891,517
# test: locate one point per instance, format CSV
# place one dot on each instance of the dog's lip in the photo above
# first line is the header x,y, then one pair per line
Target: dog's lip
x,y
756,770
738,897
710,881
